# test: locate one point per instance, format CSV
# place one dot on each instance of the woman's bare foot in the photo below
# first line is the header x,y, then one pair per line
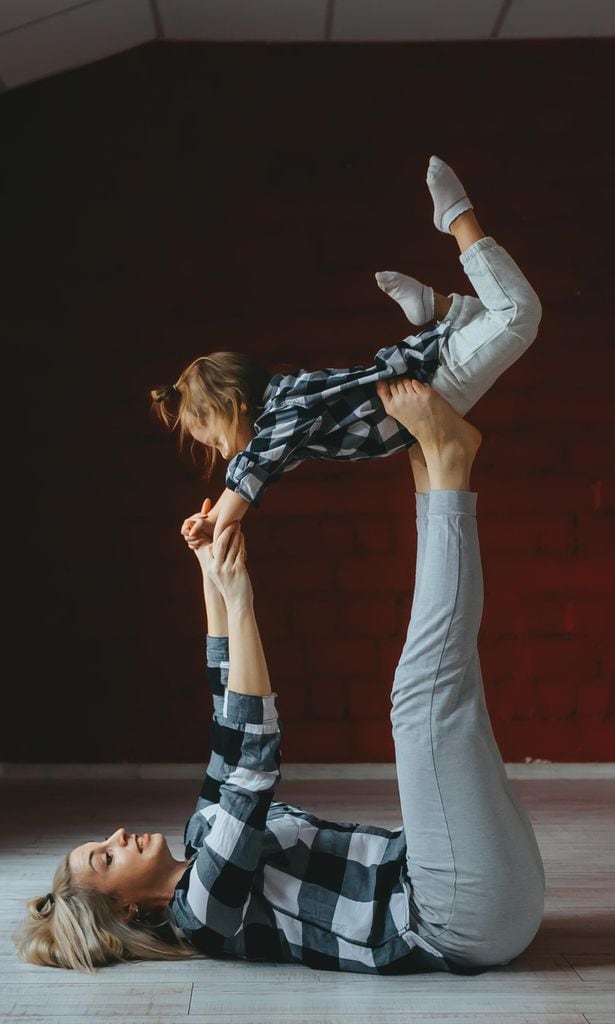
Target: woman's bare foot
x,y
448,442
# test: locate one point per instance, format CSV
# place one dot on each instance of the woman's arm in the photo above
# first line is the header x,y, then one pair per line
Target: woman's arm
x,y
224,565
247,723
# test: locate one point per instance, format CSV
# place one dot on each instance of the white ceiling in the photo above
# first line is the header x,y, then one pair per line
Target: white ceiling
x,y
43,37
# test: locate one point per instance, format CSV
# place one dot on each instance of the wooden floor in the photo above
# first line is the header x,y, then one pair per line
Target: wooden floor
x,y
567,976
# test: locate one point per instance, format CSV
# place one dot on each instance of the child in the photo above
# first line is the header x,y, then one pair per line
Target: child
x,y
267,426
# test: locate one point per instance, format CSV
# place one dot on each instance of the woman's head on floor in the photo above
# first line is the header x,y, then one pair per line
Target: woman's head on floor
x,y
108,902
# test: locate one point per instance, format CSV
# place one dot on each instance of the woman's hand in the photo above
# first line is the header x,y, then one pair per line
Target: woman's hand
x,y
198,529
225,564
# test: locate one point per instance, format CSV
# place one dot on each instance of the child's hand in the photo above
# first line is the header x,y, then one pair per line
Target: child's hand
x,y
198,529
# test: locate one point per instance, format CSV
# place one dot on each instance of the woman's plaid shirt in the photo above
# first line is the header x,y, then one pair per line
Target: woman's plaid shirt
x,y
330,414
270,881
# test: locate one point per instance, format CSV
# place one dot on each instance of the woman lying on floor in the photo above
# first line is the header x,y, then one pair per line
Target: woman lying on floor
x,y
459,887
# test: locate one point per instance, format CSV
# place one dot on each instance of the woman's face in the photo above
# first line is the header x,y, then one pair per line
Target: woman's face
x,y
135,866
216,432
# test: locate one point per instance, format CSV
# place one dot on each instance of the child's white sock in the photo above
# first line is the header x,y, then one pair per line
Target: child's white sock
x,y
448,194
416,299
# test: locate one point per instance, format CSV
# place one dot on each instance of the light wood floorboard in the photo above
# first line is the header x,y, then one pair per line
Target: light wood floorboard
x,y
567,976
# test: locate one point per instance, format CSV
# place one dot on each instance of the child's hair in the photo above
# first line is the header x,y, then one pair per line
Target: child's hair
x,y
226,383
78,928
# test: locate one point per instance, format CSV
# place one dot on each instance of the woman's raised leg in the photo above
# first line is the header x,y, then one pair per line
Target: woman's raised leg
x,y
473,862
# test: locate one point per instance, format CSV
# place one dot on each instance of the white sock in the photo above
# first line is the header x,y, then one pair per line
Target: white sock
x,y
416,299
448,194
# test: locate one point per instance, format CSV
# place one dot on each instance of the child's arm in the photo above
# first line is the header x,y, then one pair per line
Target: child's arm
x,y
229,508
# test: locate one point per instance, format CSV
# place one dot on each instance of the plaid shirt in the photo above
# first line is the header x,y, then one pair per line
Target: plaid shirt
x,y
330,414
270,881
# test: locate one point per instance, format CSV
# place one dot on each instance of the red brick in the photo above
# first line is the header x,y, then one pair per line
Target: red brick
x,y
586,617
368,699
535,407
312,742
568,577
565,659
279,537
527,534
561,492
607,656
597,740
314,616
502,616
523,451
291,701
388,657
516,699
557,739
505,659
272,617
604,494
596,533
525,615
556,699
286,660
374,535
369,616
328,696
335,536
346,657
295,576
594,698
371,574
590,454
372,741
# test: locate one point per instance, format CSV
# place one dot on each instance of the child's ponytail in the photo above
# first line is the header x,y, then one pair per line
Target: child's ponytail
x,y
225,383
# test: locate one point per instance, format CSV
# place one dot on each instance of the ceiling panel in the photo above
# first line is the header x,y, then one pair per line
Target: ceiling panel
x,y
557,18
76,37
420,19
18,12
271,20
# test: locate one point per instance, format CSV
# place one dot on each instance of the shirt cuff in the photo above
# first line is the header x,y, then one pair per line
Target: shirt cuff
x,y
246,709
217,650
249,488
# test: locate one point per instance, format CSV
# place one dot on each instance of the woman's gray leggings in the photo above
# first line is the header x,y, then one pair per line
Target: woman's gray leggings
x,y
475,868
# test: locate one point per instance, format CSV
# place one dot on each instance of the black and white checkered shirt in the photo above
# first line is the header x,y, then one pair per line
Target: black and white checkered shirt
x,y
330,414
270,881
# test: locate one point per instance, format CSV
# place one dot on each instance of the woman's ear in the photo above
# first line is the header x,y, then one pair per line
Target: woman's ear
x,y
129,912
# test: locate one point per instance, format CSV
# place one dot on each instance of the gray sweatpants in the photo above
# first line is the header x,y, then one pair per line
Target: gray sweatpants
x,y
475,869
489,333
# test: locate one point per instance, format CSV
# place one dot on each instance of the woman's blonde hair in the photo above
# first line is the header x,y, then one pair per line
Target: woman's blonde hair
x,y
226,383
78,929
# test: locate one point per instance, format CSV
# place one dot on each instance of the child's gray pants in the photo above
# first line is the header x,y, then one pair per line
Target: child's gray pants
x,y
488,333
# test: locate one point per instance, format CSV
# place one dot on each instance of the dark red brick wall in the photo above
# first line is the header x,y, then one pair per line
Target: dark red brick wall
x,y
182,199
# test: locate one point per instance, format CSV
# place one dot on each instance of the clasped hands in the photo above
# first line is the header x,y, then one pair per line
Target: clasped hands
x,y
223,562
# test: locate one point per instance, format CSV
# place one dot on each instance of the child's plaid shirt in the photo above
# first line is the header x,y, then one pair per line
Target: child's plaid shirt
x,y
331,414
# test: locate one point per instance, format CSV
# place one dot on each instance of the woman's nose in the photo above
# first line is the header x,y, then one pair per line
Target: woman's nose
x,y
120,834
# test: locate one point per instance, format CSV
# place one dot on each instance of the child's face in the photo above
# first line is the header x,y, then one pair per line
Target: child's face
x,y
215,431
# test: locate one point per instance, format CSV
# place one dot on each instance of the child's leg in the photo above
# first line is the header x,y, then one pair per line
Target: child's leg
x,y
473,862
478,350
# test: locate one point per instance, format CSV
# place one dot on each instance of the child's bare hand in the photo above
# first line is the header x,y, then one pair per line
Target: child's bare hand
x,y
198,529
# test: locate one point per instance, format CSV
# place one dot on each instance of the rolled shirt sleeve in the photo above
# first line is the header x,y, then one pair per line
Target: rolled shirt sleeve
x,y
221,877
276,448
